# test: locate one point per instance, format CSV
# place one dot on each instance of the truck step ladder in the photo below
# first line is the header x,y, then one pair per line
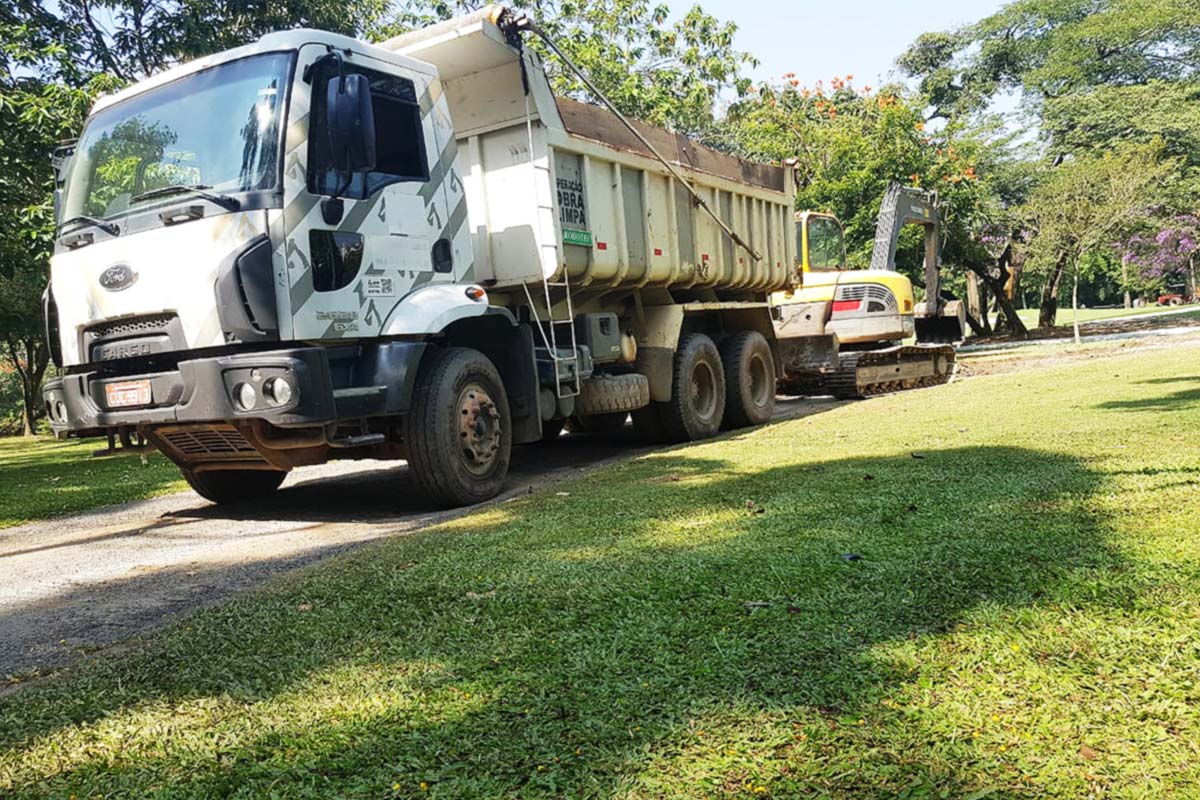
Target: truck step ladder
x,y
565,356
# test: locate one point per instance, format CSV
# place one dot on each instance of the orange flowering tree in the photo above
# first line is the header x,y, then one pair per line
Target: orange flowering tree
x,y
851,141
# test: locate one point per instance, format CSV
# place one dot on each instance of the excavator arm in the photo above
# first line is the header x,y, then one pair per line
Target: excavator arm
x,y
935,319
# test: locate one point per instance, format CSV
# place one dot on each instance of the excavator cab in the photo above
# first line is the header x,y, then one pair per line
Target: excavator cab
x,y
822,246
860,306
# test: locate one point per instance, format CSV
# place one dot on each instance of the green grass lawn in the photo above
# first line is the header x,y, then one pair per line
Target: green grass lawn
x,y
1029,316
988,589
43,477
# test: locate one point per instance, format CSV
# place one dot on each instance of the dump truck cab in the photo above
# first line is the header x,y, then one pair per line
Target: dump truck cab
x,y
212,246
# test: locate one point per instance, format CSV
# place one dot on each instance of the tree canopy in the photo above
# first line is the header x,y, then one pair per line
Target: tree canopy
x,y
1052,48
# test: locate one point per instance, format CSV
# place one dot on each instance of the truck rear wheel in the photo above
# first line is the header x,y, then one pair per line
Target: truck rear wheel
x,y
749,379
234,485
458,433
697,403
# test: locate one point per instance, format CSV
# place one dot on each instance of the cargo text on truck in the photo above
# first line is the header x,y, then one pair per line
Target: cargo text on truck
x,y
313,248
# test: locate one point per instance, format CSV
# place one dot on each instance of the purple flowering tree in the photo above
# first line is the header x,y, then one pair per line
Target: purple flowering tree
x,y
1169,253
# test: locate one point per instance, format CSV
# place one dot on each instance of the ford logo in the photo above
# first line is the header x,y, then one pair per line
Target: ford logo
x,y
118,277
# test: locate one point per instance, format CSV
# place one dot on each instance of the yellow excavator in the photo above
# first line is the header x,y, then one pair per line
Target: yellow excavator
x,y
842,331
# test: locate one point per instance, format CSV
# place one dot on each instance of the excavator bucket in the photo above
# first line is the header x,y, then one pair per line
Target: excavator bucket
x,y
938,330
948,327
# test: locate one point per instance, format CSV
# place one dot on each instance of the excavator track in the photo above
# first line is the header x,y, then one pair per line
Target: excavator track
x,y
894,369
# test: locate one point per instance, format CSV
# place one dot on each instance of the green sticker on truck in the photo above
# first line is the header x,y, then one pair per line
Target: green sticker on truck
x,y
577,237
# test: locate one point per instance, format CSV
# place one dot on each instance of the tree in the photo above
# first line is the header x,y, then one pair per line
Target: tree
x,y
1084,205
666,74
1052,48
1096,75
850,143
35,115
1102,116
1170,251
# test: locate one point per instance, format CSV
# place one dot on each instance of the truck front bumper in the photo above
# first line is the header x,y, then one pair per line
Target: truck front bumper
x,y
326,385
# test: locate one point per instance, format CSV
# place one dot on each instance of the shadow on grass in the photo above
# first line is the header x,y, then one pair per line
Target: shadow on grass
x,y
1175,401
571,647
1171,379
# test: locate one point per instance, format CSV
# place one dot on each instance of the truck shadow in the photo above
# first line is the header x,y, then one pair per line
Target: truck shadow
x,y
567,640
389,493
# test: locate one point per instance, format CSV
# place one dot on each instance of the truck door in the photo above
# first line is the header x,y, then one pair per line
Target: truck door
x,y
340,275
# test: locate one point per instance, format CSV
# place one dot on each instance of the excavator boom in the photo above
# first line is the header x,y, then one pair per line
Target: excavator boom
x,y
936,319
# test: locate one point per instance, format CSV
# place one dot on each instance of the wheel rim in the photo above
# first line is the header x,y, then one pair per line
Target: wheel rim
x,y
478,429
760,387
704,390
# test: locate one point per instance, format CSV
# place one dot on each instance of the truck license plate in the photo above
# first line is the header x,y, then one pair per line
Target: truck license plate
x,y
127,393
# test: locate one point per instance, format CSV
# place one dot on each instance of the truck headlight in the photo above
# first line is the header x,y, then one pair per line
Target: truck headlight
x,y
279,391
245,396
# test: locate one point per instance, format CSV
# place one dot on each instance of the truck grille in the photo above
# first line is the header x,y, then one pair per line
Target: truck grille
x,y
207,442
131,326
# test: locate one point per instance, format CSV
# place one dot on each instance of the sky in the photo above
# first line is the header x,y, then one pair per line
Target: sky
x,y
817,40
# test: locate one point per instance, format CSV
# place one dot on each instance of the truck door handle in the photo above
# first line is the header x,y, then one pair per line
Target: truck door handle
x,y
442,256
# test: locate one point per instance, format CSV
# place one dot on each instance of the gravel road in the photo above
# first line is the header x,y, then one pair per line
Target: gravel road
x,y
73,584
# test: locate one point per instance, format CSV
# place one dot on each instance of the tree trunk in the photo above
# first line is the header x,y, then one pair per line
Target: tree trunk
x,y
1125,284
1007,319
973,324
1075,300
28,423
985,315
30,369
973,304
1192,278
1048,310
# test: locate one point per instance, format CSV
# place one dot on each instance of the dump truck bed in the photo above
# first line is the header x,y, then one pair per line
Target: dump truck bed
x,y
558,186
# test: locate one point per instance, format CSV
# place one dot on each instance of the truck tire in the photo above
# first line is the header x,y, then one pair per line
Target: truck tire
x,y
598,424
749,379
458,433
234,485
697,402
610,394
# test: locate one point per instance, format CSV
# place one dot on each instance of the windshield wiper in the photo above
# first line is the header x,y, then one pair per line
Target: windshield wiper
x,y
111,228
231,203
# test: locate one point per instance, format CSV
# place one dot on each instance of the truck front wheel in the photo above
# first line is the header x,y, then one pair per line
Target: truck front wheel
x,y
458,433
234,485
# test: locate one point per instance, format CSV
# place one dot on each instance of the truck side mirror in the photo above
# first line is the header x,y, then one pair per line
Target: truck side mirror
x,y
60,162
351,122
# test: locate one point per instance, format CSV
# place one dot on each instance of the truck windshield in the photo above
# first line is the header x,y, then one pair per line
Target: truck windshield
x,y
218,129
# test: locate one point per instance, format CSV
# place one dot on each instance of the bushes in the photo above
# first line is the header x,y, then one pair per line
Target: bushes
x,y
10,402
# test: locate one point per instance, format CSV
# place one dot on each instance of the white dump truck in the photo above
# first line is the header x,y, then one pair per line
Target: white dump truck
x,y
313,248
